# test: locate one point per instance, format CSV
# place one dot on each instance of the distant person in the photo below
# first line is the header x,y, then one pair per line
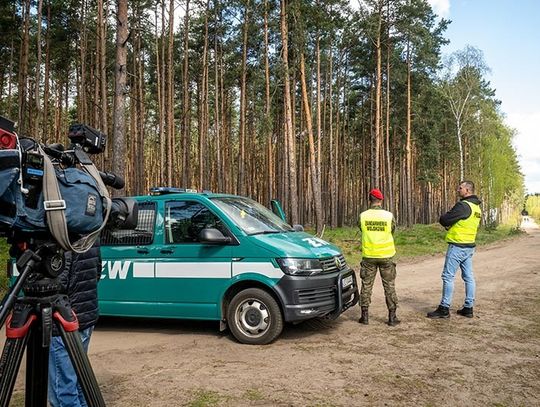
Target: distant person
x,y
525,215
462,223
377,226
79,282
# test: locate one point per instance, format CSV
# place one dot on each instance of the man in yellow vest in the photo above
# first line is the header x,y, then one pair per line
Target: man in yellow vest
x,y
377,226
462,223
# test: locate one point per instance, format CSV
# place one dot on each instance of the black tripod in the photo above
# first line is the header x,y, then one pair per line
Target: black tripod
x,y
30,326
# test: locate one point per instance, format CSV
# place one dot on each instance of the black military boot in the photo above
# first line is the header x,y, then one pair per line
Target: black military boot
x,y
440,312
465,312
364,319
392,319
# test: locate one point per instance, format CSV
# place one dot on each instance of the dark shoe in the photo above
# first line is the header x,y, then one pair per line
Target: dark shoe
x,y
364,319
392,319
466,312
440,312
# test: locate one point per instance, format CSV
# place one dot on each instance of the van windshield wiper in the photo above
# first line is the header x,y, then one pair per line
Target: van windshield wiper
x,y
266,232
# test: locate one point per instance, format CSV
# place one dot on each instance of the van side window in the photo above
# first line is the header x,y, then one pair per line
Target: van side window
x,y
143,234
184,220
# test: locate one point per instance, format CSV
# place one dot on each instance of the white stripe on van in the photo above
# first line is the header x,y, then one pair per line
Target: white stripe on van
x,y
119,269
267,269
143,270
193,270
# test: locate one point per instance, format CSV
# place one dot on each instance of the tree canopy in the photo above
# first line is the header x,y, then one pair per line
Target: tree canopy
x,y
310,102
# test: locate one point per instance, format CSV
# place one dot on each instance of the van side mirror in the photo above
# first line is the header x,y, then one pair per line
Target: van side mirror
x,y
213,236
277,209
298,228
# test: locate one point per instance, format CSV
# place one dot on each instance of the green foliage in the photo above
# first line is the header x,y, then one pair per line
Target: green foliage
x,y
532,205
4,257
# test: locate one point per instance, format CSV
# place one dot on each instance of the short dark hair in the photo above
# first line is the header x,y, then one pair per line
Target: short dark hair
x,y
469,185
372,199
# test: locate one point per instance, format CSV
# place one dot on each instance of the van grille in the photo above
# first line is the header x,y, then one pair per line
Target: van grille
x,y
330,265
314,295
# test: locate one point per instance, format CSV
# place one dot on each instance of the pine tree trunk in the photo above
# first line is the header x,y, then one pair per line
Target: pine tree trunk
x,y
141,114
331,147
160,95
218,108
241,186
315,183
83,99
46,89
408,148
23,116
389,170
119,144
169,86
270,168
39,131
186,107
102,122
375,178
289,130
203,131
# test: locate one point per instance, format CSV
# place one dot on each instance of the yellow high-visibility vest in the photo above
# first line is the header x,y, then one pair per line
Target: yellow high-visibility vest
x,y
464,230
377,239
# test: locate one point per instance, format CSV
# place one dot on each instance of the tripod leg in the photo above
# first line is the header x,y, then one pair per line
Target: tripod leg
x,y
37,370
17,338
80,362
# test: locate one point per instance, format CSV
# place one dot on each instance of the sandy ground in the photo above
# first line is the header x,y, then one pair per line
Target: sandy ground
x,y
492,359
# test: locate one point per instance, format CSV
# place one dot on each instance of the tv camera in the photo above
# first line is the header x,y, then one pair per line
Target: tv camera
x,y
52,200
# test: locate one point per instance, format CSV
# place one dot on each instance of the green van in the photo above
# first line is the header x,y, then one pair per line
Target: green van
x,y
225,258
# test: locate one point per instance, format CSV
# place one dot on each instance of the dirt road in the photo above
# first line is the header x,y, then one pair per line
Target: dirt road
x,y
490,360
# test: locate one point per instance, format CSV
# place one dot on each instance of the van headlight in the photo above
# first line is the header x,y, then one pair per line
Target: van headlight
x,y
300,267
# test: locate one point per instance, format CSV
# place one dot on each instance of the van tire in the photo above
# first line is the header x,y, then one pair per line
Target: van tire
x,y
254,317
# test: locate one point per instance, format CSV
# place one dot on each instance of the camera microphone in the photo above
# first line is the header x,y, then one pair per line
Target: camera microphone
x,y
112,180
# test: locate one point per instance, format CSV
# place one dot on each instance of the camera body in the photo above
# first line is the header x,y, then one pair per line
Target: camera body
x,y
58,194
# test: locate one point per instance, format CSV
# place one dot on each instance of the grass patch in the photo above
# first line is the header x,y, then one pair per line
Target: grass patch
x,y
205,398
17,399
4,257
254,395
418,240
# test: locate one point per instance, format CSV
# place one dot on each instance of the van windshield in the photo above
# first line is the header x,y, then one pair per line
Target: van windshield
x,y
251,217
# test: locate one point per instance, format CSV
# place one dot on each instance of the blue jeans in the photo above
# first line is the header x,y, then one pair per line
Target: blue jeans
x,y
64,389
458,257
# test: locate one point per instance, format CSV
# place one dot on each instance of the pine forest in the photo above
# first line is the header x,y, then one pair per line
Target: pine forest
x,y
310,102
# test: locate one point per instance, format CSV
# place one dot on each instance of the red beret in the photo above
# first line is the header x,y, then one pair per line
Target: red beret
x,y
376,193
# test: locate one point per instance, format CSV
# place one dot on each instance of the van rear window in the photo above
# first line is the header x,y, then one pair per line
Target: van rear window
x,y
143,234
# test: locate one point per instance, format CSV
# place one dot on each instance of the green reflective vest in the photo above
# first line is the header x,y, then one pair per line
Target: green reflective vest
x,y
464,230
377,239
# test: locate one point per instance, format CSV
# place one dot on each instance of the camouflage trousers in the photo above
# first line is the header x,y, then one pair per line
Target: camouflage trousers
x,y
368,272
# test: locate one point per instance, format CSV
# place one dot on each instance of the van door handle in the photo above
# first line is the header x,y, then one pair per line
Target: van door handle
x,y
143,250
167,251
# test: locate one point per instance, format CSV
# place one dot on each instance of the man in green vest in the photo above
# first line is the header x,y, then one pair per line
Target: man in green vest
x,y
377,227
462,223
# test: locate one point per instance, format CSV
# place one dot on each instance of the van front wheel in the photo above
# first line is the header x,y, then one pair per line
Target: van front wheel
x,y
254,317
